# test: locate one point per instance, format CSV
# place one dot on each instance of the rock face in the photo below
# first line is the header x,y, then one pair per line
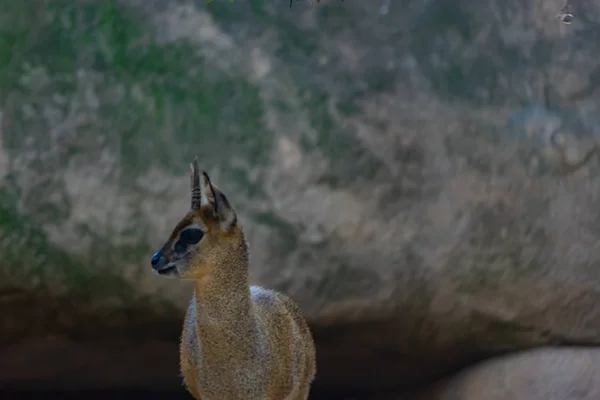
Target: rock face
x,y
552,373
421,178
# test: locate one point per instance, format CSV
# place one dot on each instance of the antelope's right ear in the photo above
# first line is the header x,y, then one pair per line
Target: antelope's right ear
x,y
213,197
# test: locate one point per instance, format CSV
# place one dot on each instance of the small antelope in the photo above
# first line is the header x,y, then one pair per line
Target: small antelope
x,y
239,342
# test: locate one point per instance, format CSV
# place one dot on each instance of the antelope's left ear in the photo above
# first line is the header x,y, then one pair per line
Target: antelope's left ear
x,y
223,211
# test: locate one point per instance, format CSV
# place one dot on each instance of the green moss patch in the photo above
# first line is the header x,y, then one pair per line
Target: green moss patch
x,y
80,80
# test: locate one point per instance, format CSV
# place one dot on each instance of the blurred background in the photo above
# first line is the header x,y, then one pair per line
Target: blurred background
x,y
420,176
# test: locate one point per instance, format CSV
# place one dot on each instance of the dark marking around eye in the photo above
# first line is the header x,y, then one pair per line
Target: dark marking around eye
x,y
179,247
191,236
186,238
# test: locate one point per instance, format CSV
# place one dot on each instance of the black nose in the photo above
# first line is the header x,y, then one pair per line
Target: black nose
x,y
155,258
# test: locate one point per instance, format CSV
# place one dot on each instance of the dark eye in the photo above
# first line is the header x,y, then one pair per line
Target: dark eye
x,y
191,236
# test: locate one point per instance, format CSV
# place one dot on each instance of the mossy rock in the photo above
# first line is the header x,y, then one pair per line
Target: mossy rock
x,y
384,164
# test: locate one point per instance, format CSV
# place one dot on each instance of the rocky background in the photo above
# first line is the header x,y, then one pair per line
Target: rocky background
x,y
420,176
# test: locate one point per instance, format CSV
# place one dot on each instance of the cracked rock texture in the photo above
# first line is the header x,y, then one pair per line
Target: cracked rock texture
x,y
403,171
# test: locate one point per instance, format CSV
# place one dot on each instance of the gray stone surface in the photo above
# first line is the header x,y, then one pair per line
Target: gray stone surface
x,y
551,373
402,171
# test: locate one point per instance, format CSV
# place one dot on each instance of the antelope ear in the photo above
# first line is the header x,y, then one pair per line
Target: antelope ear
x,y
195,185
212,196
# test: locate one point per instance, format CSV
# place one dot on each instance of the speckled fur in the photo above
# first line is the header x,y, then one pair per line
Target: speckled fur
x,y
238,342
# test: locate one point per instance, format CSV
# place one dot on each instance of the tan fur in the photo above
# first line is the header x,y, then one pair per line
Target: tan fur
x,y
238,342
